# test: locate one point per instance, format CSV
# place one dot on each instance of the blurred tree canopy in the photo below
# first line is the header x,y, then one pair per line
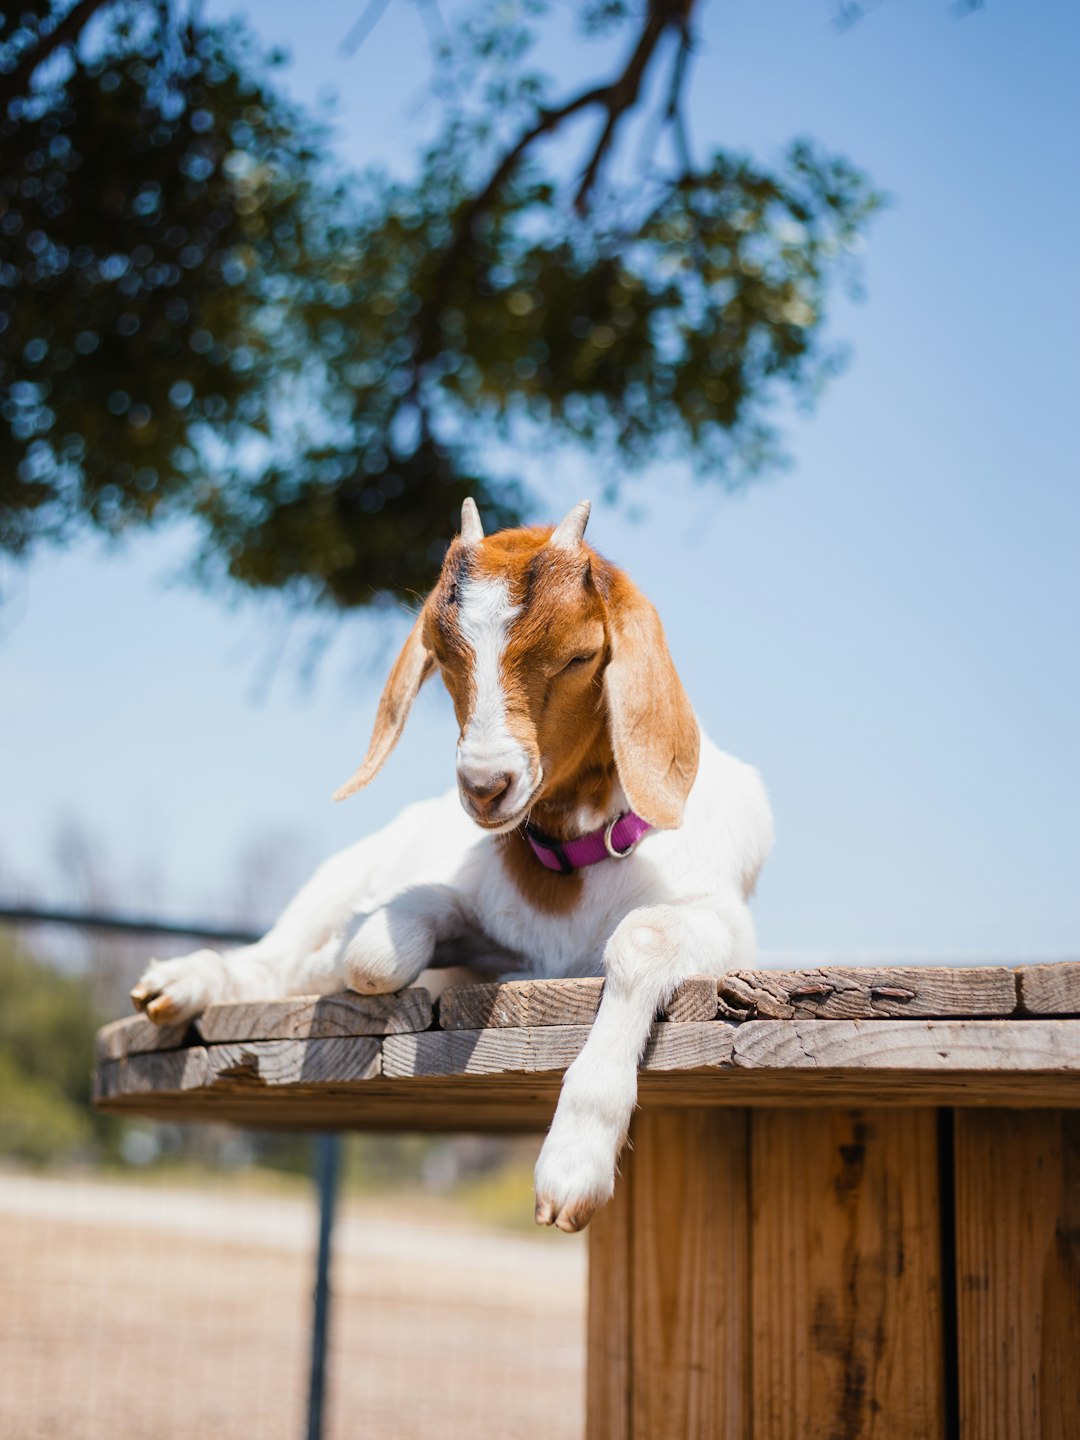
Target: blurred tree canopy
x,y
202,317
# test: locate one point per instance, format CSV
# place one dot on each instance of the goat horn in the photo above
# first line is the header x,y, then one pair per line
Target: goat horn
x,y
567,534
472,532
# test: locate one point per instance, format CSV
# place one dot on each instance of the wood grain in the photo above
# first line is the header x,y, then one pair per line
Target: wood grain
x,y
983,1046
484,1052
525,1050
1018,1274
523,1003
312,1017
1050,989
167,1072
512,1105
805,1064
338,1061
136,1035
609,1328
668,1328
845,1285
864,993
690,1275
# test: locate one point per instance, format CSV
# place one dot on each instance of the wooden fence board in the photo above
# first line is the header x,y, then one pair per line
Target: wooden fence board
x,y
845,1283
1018,1274
609,1318
690,1275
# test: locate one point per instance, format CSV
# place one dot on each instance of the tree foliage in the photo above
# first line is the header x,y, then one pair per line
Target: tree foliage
x,y
47,1024
200,318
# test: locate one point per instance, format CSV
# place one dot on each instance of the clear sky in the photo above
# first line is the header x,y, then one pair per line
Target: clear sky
x,y
888,629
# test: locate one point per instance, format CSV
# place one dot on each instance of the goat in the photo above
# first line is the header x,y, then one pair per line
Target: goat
x,y
576,743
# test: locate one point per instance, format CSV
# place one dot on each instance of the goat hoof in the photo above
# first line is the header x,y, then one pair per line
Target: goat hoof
x,y
174,990
569,1218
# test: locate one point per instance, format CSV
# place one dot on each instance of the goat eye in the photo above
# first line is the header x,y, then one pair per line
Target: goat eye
x,y
578,661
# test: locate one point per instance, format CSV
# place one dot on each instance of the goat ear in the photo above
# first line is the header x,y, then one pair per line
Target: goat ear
x,y
411,668
654,733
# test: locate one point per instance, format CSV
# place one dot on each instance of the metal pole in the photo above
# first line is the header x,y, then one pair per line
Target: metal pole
x,y
327,1170
135,924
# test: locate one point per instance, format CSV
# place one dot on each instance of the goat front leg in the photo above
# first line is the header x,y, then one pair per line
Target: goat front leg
x,y
375,953
289,960
649,955
386,950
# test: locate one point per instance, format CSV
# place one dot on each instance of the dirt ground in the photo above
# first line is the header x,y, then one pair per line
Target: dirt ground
x,y
130,1312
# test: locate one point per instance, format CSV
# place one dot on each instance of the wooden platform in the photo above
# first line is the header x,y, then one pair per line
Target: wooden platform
x,y
850,1207
490,1057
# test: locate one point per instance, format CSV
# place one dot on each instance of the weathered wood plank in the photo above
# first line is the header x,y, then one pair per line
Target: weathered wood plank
x,y
1018,1274
433,1078
164,1072
690,1274
314,1017
987,1046
1050,989
136,1035
858,993
694,1000
483,1052
526,1050
514,1004
516,1105
337,1061
496,1103
845,1284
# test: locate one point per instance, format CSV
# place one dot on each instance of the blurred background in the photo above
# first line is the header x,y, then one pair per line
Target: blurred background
x,y
789,289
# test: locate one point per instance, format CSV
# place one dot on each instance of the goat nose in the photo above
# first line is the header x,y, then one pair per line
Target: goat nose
x,y
485,793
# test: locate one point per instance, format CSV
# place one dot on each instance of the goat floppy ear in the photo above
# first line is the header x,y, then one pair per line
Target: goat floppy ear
x,y
411,668
654,733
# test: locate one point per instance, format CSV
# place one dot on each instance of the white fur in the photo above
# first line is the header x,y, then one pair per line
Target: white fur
x,y
372,917
487,748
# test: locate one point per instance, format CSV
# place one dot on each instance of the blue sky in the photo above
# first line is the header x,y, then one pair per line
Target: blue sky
x,y
888,629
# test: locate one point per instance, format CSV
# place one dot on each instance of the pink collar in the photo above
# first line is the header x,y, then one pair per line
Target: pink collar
x,y
614,841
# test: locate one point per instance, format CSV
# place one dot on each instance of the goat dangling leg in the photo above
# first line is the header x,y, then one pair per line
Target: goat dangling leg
x,y
649,955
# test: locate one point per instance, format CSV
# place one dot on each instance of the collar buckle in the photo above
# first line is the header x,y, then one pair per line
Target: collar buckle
x,y
609,844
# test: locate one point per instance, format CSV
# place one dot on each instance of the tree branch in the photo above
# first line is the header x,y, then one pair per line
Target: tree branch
x,y
616,97
674,112
66,31
623,94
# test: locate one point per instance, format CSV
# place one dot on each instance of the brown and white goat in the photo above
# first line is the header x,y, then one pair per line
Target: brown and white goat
x,y
571,716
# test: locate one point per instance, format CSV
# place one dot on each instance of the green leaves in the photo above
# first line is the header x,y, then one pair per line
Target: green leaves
x,y
199,317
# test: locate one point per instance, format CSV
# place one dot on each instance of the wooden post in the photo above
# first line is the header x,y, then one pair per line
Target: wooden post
x,y
846,1288
772,1274
668,1283
1018,1273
